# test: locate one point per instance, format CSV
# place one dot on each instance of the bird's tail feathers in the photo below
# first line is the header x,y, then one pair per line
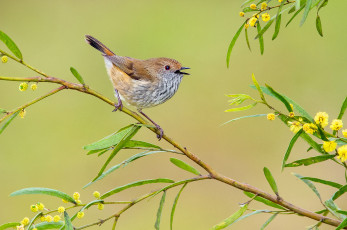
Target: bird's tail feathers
x,y
98,45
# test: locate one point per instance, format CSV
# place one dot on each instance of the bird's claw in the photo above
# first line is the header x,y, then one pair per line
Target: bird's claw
x,y
117,106
161,132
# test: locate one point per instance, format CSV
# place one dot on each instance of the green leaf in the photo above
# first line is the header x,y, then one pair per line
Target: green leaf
x,y
45,191
311,142
326,182
247,40
246,2
90,204
310,160
134,184
296,14
277,26
68,224
251,214
319,25
268,221
342,212
265,28
307,10
263,200
124,139
231,219
238,99
10,45
256,115
290,147
175,204
341,191
261,39
34,219
160,210
77,75
271,180
2,110
280,97
342,225
248,9
9,225
48,225
184,166
241,108
322,4
258,87
343,109
292,10
309,184
333,209
9,120
233,41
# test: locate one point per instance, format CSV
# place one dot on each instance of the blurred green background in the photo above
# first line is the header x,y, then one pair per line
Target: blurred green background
x,y
45,148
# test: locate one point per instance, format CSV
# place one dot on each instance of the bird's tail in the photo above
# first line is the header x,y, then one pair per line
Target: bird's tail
x,y
98,45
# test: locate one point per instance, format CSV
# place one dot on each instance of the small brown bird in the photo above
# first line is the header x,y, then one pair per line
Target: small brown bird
x,y
147,83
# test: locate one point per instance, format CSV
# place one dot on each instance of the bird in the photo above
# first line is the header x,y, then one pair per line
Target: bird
x,y
146,83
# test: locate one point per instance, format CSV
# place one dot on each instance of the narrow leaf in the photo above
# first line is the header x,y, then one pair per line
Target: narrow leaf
x,y
319,25
45,191
258,87
265,28
333,209
48,225
9,225
231,219
326,182
175,204
342,212
184,166
294,15
251,214
9,120
90,204
343,109
2,110
277,26
311,142
77,75
268,221
261,39
310,161
238,118
342,225
233,41
241,108
247,40
322,4
280,97
309,184
34,219
341,191
264,201
134,184
246,2
128,135
68,224
10,45
290,147
271,180
307,10
160,210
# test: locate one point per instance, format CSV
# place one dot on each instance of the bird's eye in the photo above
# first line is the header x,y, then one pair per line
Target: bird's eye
x,y
167,67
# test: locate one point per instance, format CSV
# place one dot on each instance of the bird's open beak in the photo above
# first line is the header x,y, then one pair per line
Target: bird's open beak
x,y
182,68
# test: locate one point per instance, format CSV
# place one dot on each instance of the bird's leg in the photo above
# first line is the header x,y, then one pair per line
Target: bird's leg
x,y
119,104
161,131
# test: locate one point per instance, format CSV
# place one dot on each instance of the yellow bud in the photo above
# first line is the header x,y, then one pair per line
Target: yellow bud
x,y
25,221
336,124
56,218
246,26
266,17
252,21
96,194
80,215
291,114
34,208
271,116
242,14
344,133
33,87
4,59
76,196
40,206
23,86
100,206
49,218
22,115
329,146
61,209
263,6
253,6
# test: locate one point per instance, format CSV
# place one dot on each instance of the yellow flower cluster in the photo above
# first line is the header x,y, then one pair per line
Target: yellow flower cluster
x,y
48,218
96,194
33,87
322,119
271,116
342,153
253,6
252,21
25,221
242,14
23,86
40,206
344,133
56,218
310,128
80,215
295,127
100,206
34,208
22,113
61,209
336,125
263,6
291,114
329,146
76,197
4,59
266,17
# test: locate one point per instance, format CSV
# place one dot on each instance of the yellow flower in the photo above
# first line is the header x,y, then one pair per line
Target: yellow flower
x,y
271,116
280,0
253,6
65,201
80,215
295,127
76,196
310,128
291,114
263,6
329,146
246,26
321,118
256,15
40,206
22,113
252,21
25,221
78,201
342,153
336,124
56,218
265,17
100,206
23,86
33,87
20,227
4,59
291,106
242,14
34,229
344,133
43,218
61,209
96,194
49,218
34,208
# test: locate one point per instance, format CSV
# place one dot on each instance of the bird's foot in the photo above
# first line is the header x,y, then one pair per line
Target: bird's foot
x,y
117,106
161,132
